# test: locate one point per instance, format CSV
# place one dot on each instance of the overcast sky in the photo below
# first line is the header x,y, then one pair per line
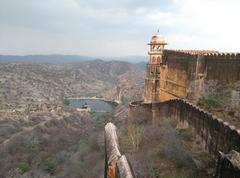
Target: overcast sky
x,y
116,27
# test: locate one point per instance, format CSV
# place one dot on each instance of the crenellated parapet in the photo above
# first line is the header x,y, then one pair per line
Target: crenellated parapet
x,y
206,53
181,53
219,56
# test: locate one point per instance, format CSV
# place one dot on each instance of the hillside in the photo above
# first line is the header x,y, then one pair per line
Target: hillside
x,y
24,84
39,136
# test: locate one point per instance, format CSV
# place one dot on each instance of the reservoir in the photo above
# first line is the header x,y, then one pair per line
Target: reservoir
x,y
96,105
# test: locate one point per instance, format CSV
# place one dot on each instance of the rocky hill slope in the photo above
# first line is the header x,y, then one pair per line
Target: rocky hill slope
x,y
39,136
26,84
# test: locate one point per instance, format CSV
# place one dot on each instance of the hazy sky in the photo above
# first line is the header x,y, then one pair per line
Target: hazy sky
x,y
116,27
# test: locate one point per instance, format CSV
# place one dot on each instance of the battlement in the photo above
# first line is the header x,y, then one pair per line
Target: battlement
x,y
228,56
209,54
180,53
197,52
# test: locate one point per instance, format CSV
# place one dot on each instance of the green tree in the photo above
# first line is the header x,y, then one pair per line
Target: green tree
x,y
24,166
209,102
50,165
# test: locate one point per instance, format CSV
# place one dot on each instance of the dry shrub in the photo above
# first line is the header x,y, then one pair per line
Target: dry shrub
x,y
158,149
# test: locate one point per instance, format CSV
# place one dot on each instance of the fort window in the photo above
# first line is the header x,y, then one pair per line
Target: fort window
x,y
153,59
156,86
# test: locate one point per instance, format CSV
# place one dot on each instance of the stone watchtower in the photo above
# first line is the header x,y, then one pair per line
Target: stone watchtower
x,y
152,81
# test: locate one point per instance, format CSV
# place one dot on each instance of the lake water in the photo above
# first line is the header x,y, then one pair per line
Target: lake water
x,y
95,105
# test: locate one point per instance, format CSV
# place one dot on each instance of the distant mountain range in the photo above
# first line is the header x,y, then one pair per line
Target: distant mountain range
x,y
58,58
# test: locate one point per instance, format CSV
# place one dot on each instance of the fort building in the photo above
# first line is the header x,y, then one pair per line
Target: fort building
x,y
175,79
172,76
187,74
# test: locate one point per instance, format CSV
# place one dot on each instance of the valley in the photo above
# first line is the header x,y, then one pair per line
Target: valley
x,y
40,136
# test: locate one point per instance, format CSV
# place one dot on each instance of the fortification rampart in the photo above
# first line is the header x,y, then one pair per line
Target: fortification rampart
x,y
189,74
194,75
216,135
139,110
225,68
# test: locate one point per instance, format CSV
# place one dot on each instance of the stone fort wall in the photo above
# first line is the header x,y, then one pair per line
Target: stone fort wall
x,y
216,135
189,75
221,139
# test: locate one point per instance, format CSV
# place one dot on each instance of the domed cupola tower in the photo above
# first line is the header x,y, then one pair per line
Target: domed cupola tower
x,y
152,81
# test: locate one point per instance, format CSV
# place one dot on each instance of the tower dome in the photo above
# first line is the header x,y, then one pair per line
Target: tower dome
x,y
157,39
